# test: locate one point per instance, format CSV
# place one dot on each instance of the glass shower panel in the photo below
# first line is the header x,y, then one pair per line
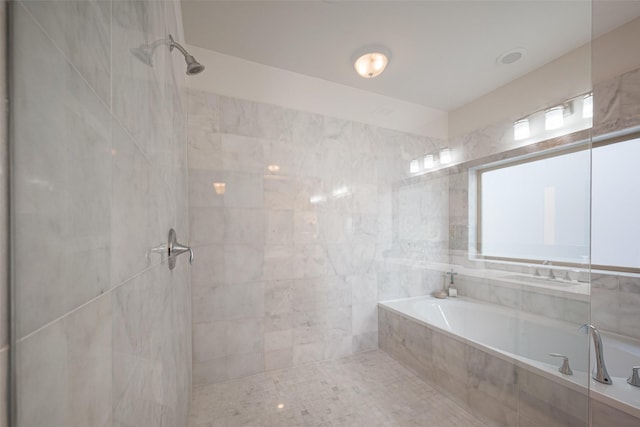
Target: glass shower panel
x,y
615,275
519,228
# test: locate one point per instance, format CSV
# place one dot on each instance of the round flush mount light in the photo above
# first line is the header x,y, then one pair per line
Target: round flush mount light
x,y
511,56
371,61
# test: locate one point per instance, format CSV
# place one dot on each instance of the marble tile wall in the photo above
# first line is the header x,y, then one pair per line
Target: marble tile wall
x,y
306,237
99,177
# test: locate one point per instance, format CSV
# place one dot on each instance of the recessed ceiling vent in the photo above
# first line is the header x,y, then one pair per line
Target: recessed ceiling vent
x,y
511,56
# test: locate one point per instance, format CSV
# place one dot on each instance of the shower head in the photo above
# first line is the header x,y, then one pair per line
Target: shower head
x,y
143,53
193,66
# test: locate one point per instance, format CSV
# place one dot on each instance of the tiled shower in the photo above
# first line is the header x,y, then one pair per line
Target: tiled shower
x,y
101,328
301,222
290,251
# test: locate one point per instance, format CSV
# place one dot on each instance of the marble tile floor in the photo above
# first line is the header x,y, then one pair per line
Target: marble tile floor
x,y
366,389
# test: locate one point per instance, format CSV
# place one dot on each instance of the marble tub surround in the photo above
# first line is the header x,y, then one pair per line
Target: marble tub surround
x,y
497,391
295,247
522,391
99,171
363,389
556,302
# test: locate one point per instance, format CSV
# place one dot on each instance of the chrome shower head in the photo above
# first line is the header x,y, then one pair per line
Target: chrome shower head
x,y
193,66
143,53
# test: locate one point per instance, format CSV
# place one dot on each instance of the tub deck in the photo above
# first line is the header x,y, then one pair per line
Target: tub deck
x,y
494,361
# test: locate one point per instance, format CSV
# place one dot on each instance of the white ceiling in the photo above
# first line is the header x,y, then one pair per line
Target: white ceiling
x,y
443,53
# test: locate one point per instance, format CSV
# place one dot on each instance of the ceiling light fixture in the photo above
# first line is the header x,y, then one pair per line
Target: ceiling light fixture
x,y
371,61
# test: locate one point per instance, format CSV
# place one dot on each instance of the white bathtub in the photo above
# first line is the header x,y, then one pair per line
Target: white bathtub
x,y
527,340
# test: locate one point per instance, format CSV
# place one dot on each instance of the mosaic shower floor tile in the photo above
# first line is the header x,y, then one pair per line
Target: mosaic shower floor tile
x,y
366,389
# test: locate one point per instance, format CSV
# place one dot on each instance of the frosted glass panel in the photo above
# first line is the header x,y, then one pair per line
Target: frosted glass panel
x,y
616,205
537,210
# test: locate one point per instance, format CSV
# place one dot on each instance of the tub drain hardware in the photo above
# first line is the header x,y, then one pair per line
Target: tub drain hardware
x,y
634,379
565,368
172,249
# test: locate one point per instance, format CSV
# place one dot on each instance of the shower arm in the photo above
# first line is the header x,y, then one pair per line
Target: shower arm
x,y
173,43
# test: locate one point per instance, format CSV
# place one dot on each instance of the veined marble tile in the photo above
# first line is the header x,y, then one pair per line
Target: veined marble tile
x,y
545,402
603,415
245,336
245,364
306,227
278,297
209,302
278,340
204,111
209,372
279,264
238,117
131,237
279,192
134,83
243,154
65,370
244,226
210,340
279,226
306,353
243,263
245,301
307,129
492,387
364,289
82,31
244,190
278,359
337,347
206,226
63,184
365,318
364,342
204,149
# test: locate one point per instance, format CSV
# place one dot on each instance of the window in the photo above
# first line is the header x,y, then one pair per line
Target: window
x,y
539,208
615,233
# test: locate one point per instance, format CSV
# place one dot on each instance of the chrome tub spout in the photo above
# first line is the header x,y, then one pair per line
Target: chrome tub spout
x,y
599,373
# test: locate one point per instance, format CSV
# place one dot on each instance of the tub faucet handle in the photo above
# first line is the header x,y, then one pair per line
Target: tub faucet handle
x,y
451,273
634,379
565,368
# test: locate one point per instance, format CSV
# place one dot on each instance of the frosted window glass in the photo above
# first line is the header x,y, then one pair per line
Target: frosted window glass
x,y
537,210
616,205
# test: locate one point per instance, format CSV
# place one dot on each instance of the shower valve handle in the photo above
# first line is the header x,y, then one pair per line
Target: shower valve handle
x,y
172,249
